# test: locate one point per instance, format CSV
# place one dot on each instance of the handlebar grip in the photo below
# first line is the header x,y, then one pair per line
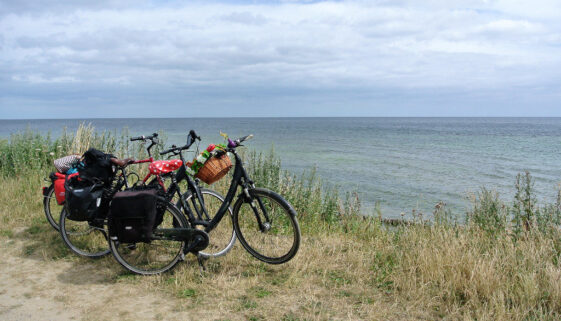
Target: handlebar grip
x,y
194,135
137,138
154,135
243,139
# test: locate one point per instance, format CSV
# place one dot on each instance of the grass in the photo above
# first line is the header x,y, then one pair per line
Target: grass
x,y
501,263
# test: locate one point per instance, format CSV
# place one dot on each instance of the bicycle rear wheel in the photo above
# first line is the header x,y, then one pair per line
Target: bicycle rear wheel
x,y
155,257
223,236
83,237
267,227
51,207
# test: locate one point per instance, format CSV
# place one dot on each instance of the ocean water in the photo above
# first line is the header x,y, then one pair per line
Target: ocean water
x,y
402,163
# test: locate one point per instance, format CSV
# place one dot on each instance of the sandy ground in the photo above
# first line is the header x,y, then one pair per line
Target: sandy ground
x,y
35,288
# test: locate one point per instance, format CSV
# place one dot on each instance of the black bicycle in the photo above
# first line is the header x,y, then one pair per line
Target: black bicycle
x,y
173,238
89,237
264,222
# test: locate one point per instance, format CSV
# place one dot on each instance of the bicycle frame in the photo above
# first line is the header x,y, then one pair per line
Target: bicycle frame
x,y
239,179
193,187
150,159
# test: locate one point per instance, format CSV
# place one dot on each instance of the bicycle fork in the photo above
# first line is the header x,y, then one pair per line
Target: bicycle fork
x,y
255,203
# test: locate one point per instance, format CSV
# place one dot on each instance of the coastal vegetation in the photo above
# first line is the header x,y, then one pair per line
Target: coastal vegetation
x,y
499,261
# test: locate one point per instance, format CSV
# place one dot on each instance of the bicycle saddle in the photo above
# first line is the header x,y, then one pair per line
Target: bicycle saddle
x,y
164,167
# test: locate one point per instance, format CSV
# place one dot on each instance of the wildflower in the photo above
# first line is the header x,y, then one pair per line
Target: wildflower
x,y
52,154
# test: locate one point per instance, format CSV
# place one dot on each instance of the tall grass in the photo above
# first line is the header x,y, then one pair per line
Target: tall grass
x,y
29,151
522,215
502,263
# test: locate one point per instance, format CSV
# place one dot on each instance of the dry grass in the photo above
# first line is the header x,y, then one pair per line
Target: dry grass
x,y
349,267
370,272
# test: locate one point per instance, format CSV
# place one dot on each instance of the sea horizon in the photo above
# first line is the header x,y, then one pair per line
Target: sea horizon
x,y
286,117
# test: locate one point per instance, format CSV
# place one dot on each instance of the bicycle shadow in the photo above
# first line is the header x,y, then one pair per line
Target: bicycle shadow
x,y
44,244
90,271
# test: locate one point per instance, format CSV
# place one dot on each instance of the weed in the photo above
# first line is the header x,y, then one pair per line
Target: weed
x,y
126,276
261,292
188,293
7,233
29,250
246,303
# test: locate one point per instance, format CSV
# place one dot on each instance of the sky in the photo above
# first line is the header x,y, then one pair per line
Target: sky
x,y
103,59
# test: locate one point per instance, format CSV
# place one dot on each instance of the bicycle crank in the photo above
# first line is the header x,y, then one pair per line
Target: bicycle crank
x,y
198,241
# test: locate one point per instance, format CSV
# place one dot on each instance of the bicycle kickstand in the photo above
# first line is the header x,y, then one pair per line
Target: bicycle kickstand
x,y
201,261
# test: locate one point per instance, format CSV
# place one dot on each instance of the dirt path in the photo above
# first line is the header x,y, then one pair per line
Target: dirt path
x,y
35,288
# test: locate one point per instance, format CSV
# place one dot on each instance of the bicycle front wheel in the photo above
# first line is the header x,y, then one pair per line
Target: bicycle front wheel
x,y
222,237
155,257
267,226
83,237
51,207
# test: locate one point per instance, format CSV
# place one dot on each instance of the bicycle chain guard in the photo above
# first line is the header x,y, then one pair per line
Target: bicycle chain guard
x,y
197,241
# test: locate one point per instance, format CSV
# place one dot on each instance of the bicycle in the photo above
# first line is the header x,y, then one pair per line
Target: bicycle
x,y
51,206
195,216
89,238
264,222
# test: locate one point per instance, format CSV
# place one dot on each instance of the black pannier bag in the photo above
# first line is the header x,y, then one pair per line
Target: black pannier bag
x,y
97,165
83,199
132,215
160,206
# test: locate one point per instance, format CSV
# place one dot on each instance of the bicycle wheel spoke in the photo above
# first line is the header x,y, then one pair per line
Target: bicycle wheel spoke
x,y
222,237
274,237
82,238
156,256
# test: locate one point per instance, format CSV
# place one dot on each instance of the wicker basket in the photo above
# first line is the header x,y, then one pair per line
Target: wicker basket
x,y
214,169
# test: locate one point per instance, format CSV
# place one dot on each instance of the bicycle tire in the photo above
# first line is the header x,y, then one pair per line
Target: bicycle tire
x,y
132,255
223,236
281,241
51,206
83,238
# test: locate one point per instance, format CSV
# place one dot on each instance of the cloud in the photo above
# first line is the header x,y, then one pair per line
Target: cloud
x,y
210,51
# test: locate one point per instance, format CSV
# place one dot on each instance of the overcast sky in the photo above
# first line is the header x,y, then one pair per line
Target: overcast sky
x,y
78,59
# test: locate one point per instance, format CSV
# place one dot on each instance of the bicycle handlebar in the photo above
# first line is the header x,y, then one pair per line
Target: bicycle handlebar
x,y
237,142
132,139
172,149
191,138
153,139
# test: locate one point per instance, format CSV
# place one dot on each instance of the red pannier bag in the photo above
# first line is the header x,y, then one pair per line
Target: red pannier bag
x,y
60,192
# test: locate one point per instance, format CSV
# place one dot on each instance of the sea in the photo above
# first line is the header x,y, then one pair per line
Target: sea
x,y
399,165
